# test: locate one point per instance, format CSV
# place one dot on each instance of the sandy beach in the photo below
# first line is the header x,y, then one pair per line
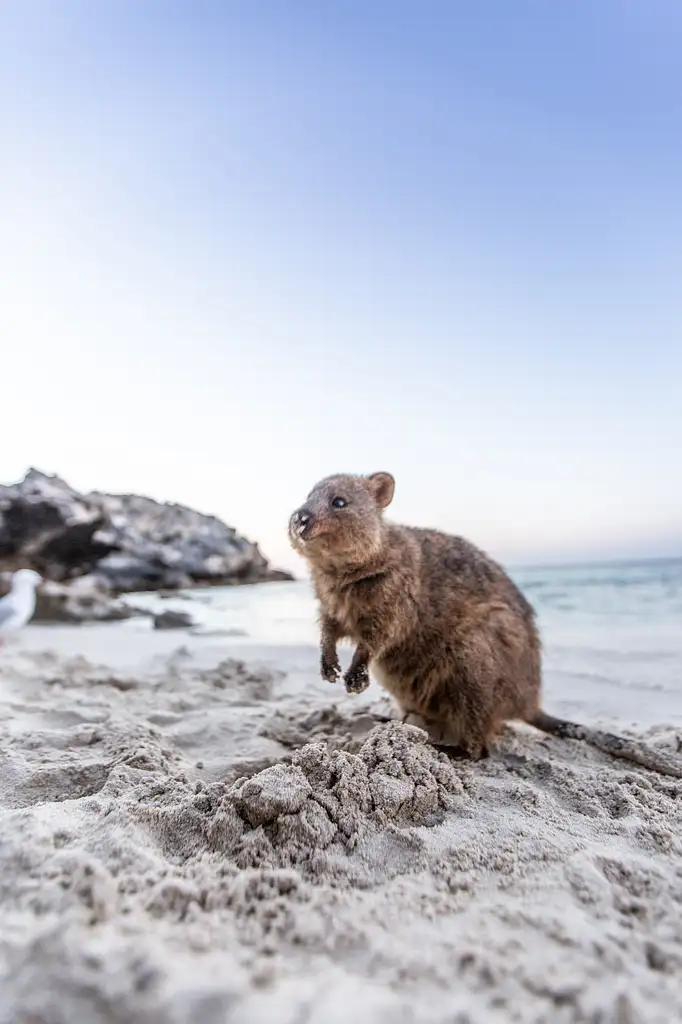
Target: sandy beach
x,y
200,832
327,322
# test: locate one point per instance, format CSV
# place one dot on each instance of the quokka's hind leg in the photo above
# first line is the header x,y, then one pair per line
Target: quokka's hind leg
x,y
456,742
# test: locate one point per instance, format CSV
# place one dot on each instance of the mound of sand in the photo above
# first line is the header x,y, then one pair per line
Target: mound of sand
x,y
197,843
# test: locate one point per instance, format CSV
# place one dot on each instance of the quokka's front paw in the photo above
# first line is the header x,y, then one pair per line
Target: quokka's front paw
x,y
330,669
357,679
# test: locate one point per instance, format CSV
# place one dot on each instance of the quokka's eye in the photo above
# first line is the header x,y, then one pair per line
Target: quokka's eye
x,y
339,502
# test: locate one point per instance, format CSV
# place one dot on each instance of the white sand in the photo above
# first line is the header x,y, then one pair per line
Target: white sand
x,y
360,878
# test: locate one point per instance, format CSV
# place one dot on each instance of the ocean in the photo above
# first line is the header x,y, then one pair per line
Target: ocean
x,y
612,633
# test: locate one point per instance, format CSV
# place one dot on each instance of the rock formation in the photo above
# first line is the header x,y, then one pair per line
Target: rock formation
x,y
173,620
124,542
83,599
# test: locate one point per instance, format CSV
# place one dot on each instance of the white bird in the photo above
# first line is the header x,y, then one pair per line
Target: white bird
x,y
17,607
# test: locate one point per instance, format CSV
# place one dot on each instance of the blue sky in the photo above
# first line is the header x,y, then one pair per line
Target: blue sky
x,y
247,244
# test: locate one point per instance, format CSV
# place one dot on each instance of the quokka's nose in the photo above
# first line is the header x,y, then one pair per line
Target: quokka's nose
x,y
302,516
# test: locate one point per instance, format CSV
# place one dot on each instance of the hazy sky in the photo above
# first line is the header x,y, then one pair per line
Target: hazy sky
x,y
247,244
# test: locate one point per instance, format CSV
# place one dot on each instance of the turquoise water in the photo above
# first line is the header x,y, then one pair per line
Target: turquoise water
x,y
612,634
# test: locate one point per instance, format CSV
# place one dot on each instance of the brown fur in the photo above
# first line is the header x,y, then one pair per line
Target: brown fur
x,y
446,631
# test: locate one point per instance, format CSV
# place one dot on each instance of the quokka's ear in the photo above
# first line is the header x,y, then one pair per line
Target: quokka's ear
x,y
382,486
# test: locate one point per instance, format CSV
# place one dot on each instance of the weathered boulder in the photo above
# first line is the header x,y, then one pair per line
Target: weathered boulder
x,y
46,525
84,599
173,620
131,543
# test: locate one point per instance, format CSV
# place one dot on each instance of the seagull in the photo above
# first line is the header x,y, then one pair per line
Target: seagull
x,y
17,607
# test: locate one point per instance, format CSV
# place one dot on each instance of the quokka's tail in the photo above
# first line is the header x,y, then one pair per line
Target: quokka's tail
x,y
617,746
